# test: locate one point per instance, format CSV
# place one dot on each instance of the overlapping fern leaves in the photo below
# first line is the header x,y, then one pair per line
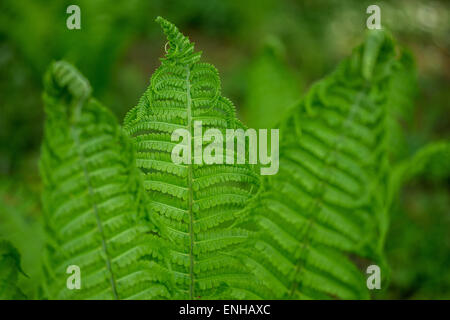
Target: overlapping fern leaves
x,y
196,204
93,204
141,226
10,270
328,199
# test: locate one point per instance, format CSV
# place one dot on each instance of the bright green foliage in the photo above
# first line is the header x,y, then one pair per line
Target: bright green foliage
x,y
9,272
328,199
19,226
196,205
93,205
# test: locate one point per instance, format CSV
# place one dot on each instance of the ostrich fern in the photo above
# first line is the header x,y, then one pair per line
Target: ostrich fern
x,y
93,204
142,227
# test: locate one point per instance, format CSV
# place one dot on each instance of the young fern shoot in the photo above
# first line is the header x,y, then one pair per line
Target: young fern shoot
x,y
197,205
94,206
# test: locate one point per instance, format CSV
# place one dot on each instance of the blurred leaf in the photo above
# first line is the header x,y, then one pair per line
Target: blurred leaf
x,y
403,91
20,224
272,87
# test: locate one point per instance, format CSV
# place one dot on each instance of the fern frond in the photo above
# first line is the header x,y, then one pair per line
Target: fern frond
x,y
94,204
197,205
328,200
401,105
9,272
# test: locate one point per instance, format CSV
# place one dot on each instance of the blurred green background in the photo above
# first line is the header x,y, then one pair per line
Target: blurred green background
x,y
268,53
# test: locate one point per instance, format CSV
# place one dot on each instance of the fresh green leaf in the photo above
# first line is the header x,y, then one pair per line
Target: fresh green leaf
x,y
197,205
93,199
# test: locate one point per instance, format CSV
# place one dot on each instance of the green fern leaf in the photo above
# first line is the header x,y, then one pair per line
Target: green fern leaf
x,y
9,272
272,87
328,200
197,205
93,199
